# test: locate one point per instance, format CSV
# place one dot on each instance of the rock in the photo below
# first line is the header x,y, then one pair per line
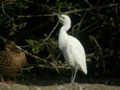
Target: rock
x,y
19,87
4,86
35,88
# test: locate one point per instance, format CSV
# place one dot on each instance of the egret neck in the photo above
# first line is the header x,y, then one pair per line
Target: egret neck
x,y
63,34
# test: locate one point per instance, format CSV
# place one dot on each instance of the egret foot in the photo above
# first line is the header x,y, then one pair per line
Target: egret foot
x,y
77,86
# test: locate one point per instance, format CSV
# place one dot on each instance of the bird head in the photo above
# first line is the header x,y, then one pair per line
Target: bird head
x,y
11,46
64,19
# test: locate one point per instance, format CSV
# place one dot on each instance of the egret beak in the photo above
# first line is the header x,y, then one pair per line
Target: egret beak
x,y
59,17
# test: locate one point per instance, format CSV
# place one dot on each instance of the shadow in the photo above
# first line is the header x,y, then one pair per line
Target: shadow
x,y
48,77
42,77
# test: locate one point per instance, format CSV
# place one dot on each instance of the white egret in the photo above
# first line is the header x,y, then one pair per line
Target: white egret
x,y
71,48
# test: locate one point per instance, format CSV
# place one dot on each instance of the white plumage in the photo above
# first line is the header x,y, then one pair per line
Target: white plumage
x,y
71,48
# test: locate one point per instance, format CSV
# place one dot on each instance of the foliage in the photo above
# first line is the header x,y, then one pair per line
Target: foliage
x,y
96,23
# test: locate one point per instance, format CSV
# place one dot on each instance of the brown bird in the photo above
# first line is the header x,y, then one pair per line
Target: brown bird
x,y
12,59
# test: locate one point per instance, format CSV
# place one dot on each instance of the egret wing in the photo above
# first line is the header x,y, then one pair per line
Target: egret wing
x,y
76,53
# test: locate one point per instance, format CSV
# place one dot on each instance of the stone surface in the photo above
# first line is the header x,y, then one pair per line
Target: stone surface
x,y
19,87
4,86
76,86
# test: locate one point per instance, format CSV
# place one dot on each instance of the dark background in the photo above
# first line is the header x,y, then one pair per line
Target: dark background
x,y
95,23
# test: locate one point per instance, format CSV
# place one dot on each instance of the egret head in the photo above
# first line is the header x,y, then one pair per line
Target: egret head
x,y
65,19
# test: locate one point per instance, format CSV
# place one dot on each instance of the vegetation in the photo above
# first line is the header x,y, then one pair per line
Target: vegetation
x,y
34,26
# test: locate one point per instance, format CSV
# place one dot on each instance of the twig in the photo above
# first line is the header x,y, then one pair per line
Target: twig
x,y
87,27
80,23
93,8
88,3
3,10
97,44
101,61
28,16
4,39
72,11
28,53
54,28
25,51
58,67
90,55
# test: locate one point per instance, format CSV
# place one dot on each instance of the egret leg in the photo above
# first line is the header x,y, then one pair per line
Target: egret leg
x,y
72,70
74,74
